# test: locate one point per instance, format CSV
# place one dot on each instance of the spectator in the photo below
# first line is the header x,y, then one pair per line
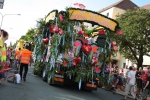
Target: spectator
x,y
4,72
3,38
144,78
8,52
130,84
119,83
139,81
15,78
126,70
12,57
17,62
146,88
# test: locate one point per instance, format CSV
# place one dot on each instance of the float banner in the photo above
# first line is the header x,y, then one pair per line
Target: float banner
x,y
92,17
51,16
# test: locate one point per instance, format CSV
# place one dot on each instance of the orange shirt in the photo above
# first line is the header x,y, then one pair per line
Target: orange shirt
x,y
18,54
25,56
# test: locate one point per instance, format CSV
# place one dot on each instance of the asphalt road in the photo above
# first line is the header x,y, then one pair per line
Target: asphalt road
x,y
36,89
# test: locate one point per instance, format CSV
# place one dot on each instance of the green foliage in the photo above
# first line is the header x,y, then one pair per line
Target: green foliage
x,y
38,67
135,41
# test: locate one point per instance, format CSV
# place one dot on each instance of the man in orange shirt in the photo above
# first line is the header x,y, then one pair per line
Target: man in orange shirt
x,y
25,59
17,62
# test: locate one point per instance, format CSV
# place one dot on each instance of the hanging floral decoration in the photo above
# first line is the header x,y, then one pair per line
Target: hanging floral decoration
x,y
101,32
86,48
80,32
45,40
97,69
61,17
119,32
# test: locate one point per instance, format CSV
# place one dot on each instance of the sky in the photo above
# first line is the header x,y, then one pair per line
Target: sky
x,y
32,10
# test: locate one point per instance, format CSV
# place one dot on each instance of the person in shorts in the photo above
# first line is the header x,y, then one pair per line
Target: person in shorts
x,y
119,83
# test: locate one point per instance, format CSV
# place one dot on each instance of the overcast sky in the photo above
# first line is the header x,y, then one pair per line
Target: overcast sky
x,y
32,10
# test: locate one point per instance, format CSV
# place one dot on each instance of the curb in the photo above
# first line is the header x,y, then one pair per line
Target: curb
x,y
123,95
119,93
148,98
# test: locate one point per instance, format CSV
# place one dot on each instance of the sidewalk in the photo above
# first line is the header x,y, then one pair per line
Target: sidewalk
x,y
122,93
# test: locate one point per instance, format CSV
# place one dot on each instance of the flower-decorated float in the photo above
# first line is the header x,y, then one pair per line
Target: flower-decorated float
x,y
67,50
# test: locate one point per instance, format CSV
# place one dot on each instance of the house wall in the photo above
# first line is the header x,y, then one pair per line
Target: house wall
x,y
109,11
117,11
146,60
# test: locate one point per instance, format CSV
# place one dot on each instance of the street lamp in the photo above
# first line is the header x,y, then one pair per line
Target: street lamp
x,y
4,16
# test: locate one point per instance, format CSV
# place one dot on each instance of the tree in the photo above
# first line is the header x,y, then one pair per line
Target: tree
x,y
135,40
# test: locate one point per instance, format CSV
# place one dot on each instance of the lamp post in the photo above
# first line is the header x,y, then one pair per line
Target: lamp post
x,y
4,16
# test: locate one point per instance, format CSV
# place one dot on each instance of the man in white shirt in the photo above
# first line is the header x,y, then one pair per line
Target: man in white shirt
x,y
130,83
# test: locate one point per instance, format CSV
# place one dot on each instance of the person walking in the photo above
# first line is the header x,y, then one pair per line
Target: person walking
x,y
25,59
130,84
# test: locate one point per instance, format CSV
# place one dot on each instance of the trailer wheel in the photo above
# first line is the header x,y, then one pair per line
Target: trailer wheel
x,y
44,74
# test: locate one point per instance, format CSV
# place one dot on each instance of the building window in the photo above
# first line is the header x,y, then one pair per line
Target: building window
x,y
107,14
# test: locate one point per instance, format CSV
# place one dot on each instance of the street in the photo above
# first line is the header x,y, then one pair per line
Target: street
x,y
36,89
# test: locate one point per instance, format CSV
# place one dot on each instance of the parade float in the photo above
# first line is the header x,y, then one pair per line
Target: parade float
x,y
66,50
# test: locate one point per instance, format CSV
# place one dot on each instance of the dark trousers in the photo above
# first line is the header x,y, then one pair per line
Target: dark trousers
x,y
25,67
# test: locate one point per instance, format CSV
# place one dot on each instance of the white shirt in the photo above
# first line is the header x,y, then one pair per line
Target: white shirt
x,y
126,72
17,78
131,75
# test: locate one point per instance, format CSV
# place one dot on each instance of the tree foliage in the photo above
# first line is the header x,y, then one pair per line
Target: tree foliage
x,y
135,40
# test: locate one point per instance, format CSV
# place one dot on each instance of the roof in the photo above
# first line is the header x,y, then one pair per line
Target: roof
x,y
122,4
146,7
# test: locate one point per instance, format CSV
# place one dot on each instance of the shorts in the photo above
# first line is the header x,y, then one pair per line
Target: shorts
x,y
120,87
2,75
139,84
129,88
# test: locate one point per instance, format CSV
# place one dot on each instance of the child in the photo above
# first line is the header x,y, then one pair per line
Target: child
x,y
4,72
15,78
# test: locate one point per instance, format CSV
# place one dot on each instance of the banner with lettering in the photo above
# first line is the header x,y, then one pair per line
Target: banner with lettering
x,y
92,17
